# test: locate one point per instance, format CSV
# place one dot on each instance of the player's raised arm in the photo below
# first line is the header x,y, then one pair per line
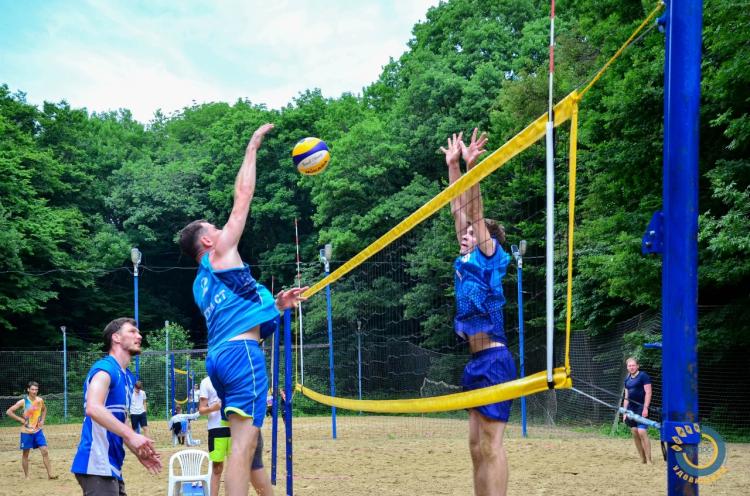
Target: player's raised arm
x,y
244,189
475,205
458,204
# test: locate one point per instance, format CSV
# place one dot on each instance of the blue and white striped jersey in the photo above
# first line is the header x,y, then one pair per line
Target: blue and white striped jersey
x,y
101,452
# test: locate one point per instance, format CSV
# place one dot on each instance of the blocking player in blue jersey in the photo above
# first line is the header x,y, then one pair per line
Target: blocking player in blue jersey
x,y
239,312
106,397
479,272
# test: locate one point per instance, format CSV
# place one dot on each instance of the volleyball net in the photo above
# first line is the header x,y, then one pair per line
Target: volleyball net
x,y
396,296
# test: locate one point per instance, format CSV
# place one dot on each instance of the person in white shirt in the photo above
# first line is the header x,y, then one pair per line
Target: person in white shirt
x,y
220,443
138,409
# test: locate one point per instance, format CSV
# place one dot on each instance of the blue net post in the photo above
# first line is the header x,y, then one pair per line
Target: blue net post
x,y
288,403
189,386
65,373
275,405
330,355
680,265
171,383
518,256
521,347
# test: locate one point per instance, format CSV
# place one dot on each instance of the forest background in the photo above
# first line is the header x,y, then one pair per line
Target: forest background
x,y
79,189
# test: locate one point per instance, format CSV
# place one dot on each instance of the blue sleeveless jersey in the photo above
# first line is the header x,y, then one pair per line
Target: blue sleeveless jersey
x,y
479,293
100,452
232,302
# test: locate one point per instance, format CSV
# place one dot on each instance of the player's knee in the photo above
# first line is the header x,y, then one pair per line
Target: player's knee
x,y
218,468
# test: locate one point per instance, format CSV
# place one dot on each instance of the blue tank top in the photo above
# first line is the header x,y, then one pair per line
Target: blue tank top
x,y
479,293
232,302
101,452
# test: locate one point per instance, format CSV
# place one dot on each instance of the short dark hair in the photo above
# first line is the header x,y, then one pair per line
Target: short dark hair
x,y
114,327
496,230
189,238
31,383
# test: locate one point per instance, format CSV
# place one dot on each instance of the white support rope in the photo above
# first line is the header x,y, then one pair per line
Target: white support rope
x,y
634,416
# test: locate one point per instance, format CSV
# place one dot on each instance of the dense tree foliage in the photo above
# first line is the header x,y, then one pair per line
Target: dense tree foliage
x,y
79,189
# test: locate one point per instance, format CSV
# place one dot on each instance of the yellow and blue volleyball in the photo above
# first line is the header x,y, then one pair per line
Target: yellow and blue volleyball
x,y
311,155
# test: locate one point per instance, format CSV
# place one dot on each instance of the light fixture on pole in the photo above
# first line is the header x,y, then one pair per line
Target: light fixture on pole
x,y
135,257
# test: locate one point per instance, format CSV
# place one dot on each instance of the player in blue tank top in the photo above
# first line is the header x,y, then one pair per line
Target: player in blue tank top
x,y
107,390
478,274
238,312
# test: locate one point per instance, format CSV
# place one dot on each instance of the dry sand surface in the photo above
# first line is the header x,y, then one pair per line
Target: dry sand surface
x,y
376,456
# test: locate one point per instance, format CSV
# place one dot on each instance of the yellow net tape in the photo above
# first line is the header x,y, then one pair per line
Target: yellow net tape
x,y
469,399
181,402
494,161
622,48
180,371
566,109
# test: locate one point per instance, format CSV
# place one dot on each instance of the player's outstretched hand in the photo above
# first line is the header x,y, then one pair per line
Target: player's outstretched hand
x,y
152,463
453,151
258,136
475,148
290,298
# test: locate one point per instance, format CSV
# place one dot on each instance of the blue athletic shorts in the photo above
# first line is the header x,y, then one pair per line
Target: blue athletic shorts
x,y
33,441
238,373
488,368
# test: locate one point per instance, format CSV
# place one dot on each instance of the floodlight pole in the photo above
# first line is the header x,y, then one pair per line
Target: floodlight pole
x,y
325,256
136,256
518,255
65,373
166,370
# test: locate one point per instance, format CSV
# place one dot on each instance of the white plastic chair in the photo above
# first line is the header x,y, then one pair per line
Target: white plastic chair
x,y
191,462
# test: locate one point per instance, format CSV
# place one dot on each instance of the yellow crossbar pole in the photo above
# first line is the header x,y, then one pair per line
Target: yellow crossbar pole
x,y
525,386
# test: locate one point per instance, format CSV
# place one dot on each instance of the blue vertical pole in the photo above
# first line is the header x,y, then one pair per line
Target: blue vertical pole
x,y
189,387
171,381
680,266
330,355
359,360
520,343
137,324
65,373
275,406
288,403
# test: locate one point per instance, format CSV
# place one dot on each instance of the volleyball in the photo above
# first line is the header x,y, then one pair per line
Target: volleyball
x,y
311,155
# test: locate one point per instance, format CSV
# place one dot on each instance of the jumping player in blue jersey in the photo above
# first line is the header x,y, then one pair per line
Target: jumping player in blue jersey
x,y
479,272
106,397
239,312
